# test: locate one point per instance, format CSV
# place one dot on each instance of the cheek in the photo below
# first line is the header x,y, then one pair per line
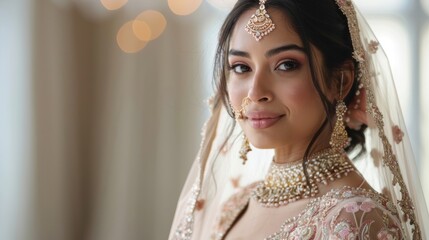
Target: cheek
x,y
237,92
300,96
304,105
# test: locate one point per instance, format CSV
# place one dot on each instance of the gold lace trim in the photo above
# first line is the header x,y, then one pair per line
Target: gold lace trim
x,y
389,158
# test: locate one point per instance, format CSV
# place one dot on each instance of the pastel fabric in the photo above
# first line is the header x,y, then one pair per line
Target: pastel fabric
x,y
347,213
396,209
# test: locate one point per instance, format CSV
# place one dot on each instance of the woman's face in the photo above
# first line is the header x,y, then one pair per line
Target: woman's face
x,y
285,109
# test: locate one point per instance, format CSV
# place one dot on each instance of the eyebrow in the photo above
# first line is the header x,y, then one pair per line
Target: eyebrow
x,y
269,53
238,53
284,48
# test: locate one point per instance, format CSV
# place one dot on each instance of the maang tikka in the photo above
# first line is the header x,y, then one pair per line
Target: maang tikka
x,y
260,24
339,137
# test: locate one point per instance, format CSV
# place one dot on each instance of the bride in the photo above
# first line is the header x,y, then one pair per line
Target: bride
x,y
320,150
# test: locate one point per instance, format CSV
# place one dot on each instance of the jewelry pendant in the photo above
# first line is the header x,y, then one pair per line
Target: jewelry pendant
x,y
260,24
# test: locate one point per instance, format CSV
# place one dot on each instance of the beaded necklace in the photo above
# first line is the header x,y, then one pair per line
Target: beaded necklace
x,y
287,182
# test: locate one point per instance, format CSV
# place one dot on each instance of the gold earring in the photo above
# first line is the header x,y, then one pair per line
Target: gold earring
x,y
245,148
339,137
239,115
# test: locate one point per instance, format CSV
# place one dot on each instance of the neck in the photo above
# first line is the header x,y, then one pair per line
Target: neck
x,y
293,153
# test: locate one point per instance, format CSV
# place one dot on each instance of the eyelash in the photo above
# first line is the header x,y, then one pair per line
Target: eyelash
x,y
295,66
234,66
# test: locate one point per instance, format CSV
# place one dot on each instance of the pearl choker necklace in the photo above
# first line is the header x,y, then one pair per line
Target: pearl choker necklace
x,y
287,183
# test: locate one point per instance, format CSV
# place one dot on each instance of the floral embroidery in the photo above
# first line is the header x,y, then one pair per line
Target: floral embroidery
x,y
377,157
231,209
235,182
347,194
199,204
352,207
386,235
397,134
367,206
303,233
343,230
373,46
347,213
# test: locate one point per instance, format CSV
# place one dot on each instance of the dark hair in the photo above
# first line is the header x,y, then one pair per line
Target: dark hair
x,y
318,23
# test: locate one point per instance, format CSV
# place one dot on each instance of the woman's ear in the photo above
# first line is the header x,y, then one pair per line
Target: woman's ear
x,y
343,79
347,78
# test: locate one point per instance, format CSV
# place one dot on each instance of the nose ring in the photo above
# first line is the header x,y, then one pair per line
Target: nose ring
x,y
240,113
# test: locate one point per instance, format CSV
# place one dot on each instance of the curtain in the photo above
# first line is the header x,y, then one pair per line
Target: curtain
x,y
112,135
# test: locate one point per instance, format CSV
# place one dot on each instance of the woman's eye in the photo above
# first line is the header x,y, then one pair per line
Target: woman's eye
x,y
240,68
288,65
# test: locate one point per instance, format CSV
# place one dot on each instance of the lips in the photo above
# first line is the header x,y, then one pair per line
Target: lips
x,y
261,120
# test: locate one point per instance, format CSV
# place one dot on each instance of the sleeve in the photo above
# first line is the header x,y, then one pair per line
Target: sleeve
x,y
362,218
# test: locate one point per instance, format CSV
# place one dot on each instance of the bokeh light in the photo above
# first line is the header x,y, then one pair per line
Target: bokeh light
x,y
183,7
127,39
113,4
154,20
142,30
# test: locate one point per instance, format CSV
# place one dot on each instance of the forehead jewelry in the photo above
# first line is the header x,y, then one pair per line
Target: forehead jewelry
x,y
260,24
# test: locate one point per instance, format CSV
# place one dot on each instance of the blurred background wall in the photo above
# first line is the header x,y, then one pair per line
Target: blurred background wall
x,y
102,101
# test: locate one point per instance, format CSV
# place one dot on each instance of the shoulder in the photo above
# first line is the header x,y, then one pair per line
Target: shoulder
x,y
240,197
354,213
345,213
231,209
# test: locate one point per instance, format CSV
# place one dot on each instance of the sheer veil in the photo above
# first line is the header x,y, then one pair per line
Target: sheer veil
x,y
388,164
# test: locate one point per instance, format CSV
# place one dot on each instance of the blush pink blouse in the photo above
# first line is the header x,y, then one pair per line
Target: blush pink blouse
x,y
346,213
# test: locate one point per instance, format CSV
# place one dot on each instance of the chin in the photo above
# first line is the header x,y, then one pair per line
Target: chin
x,y
267,139
261,144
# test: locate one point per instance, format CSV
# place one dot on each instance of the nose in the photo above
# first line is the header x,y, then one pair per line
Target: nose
x,y
260,89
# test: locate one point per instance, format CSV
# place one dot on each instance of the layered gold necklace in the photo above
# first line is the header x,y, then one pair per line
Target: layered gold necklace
x,y
287,182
